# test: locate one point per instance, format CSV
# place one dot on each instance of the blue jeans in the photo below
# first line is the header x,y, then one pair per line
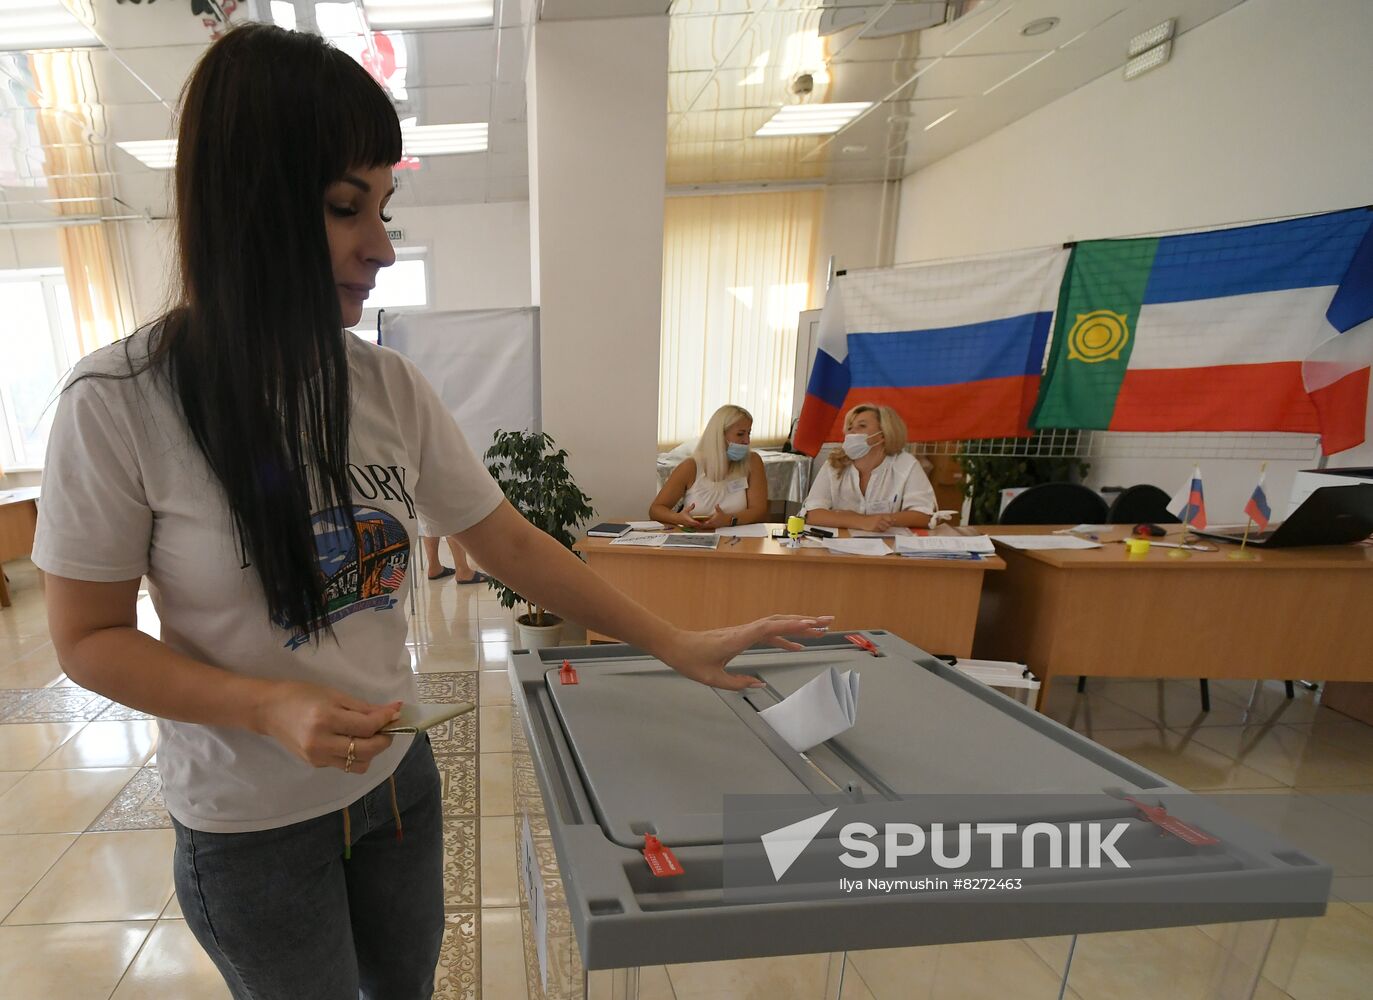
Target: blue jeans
x,y
284,917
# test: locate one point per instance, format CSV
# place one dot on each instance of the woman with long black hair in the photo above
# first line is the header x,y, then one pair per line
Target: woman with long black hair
x,y
269,473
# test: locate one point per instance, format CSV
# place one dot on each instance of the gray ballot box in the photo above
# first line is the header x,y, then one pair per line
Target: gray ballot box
x,y
633,750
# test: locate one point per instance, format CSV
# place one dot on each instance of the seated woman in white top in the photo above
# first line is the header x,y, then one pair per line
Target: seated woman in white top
x,y
871,482
722,483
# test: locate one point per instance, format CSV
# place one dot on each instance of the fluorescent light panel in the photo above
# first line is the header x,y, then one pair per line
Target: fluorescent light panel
x,y
1146,40
441,140
1152,59
812,119
428,13
160,154
944,117
41,24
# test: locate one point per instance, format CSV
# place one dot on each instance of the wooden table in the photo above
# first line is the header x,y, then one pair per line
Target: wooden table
x,y
18,519
1287,613
932,603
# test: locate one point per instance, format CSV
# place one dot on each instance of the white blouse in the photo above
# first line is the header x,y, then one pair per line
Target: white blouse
x,y
730,495
898,484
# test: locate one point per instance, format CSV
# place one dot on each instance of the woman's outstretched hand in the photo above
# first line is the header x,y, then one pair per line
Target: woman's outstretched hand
x,y
703,656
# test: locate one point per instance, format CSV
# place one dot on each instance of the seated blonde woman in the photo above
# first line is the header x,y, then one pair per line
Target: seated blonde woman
x,y
871,482
722,483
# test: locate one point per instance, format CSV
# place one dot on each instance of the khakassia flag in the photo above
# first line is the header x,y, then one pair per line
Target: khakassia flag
x,y
1198,332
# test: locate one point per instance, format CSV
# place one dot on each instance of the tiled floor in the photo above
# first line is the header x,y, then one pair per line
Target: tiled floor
x,y
87,910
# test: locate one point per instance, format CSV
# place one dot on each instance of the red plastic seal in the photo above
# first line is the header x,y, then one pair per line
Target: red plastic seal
x,y
661,861
567,673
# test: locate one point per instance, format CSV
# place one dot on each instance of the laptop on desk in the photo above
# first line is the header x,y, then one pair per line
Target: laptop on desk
x,y
1331,515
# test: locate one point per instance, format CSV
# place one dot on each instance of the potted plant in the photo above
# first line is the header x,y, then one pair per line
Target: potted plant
x,y
533,475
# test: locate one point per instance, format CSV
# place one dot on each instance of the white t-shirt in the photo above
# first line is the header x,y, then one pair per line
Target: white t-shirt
x,y
126,493
730,495
898,484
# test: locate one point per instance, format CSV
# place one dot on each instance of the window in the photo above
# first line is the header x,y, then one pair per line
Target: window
x,y
736,273
38,345
403,285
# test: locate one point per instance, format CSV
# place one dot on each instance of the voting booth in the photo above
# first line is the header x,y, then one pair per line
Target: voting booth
x,y
617,754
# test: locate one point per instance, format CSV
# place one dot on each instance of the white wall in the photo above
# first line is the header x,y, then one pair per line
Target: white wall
x,y
850,229
21,248
596,92
1264,111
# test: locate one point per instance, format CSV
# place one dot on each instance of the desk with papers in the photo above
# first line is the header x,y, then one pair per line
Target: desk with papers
x,y
1284,614
930,602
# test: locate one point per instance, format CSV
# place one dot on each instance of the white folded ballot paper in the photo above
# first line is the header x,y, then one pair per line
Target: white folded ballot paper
x,y
823,708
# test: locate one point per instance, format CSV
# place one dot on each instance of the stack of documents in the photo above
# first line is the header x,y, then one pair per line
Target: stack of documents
x,y
824,708
745,531
945,546
651,541
857,546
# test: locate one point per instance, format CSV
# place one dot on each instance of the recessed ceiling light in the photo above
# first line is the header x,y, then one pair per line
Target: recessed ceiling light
x,y
1146,40
41,24
812,119
1039,26
427,13
442,140
160,154
1151,59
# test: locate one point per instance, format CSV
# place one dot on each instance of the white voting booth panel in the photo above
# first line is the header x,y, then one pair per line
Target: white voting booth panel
x,y
484,364
632,748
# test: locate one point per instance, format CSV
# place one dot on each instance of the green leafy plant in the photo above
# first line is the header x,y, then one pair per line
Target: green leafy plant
x,y
532,473
985,476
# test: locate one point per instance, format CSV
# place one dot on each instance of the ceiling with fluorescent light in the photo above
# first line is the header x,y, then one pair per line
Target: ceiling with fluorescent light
x,y
63,120
935,85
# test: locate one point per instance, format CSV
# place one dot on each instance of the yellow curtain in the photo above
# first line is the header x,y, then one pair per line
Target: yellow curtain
x,y
69,121
736,274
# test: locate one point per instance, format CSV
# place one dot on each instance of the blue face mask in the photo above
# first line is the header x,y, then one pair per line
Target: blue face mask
x,y
737,452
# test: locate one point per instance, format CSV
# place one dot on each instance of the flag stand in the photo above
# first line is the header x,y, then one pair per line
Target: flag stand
x,y
1242,552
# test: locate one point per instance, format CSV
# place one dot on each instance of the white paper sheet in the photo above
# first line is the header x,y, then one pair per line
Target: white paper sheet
x,y
647,541
1029,542
825,707
945,543
857,546
646,525
895,531
745,531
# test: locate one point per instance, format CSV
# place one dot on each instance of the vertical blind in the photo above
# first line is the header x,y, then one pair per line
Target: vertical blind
x,y
736,274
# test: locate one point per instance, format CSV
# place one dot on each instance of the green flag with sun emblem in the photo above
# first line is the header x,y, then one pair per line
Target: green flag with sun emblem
x,y
1098,311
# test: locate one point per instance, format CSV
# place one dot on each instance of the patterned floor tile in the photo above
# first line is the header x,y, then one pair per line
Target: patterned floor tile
x,y
122,713
447,687
458,976
458,772
138,807
460,864
56,704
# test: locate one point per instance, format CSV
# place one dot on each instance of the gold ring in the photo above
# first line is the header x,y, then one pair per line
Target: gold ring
x,y
348,761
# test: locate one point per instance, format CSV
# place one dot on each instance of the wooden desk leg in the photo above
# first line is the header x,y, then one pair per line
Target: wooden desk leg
x,y
4,589
1043,695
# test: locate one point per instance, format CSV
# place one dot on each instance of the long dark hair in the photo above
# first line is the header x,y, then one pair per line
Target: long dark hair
x,y
255,349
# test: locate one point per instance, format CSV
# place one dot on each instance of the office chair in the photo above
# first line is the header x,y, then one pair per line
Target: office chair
x,y
1141,504
1055,503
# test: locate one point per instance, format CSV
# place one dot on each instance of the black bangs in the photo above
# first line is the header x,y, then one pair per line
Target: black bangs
x,y
360,124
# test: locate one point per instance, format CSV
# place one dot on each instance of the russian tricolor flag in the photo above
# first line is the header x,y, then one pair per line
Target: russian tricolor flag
x,y
956,348
1257,508
1188,505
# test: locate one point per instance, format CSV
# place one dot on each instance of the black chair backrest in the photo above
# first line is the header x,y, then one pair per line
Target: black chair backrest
x,y
1055,503
1143,504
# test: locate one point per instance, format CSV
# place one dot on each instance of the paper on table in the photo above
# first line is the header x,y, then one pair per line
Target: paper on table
x,y
646,525
1045,542
895,531
825,707
857,546
648,541
744,531
945,543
